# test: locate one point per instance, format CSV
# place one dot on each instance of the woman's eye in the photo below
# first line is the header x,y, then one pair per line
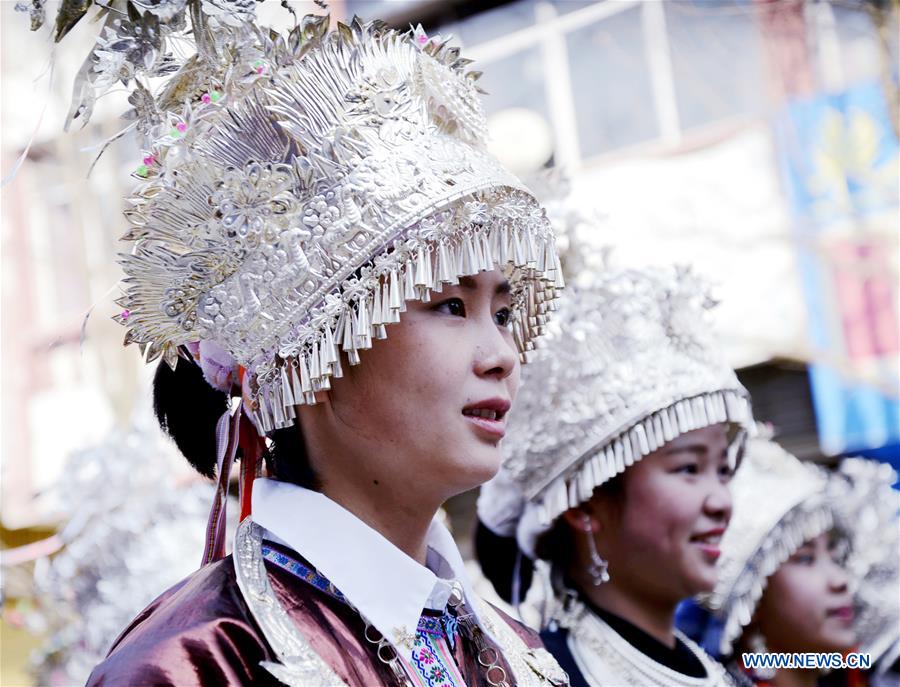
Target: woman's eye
x,y
803,558
687,469
452,306
502,317
726,472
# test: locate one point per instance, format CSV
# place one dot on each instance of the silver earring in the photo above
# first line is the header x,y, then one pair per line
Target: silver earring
x,y
757,644
599,568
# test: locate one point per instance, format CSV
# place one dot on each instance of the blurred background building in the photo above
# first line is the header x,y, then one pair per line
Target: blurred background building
x,y
755,139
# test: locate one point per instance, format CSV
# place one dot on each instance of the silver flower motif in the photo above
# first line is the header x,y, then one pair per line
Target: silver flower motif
x,y
250,199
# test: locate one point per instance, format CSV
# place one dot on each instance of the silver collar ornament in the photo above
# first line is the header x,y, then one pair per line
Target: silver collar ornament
x,y
296,190
779,503
298,664
606,658
630,363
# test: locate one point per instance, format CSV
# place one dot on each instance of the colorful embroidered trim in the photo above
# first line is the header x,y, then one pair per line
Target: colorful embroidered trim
x,y
431,663
445,626
305,573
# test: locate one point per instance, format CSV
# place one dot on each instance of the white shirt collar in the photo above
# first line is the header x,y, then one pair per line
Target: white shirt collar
x,y
387,587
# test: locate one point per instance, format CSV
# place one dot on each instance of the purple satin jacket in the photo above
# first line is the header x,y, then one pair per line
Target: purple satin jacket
x,y
201,633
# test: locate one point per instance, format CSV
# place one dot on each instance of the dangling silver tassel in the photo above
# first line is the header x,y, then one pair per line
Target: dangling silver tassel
x,y
518,249
376,306
487,254
468,263
518,339
386,312
362,333
572,490
502,250
444,270
315,371
296,386
263,414
422,276
396,299
681,418
305,382
668,432
277,404
619,450
642,439
530,248
545,258
329,349
349,336
560,282
627,449
409,284
336,370
286,391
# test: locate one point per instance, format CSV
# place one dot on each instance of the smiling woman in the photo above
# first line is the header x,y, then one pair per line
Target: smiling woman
x,y
795,561
319,232
622,444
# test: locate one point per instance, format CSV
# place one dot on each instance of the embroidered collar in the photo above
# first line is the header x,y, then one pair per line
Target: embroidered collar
x,y
388,588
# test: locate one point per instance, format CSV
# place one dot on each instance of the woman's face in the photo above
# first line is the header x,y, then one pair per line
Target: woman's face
x,y
426,407
807,605
661,535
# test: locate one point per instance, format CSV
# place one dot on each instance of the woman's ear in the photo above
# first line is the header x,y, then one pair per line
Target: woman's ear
x,y
581,519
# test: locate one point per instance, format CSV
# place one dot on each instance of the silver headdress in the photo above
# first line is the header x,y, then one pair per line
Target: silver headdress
x,y
296,190
867,509
779,504
631,364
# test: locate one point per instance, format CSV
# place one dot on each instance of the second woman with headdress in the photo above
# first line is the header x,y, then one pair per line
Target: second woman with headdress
x,y
617,478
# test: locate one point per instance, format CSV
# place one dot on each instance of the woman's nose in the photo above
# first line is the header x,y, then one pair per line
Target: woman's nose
x,y
838,579
495,354
718,501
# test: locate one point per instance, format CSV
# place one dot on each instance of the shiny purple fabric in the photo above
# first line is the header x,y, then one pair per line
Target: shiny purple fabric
x,y
201,633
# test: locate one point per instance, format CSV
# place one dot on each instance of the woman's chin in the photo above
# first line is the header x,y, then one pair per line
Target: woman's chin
x,y
839,640
477,468
701,582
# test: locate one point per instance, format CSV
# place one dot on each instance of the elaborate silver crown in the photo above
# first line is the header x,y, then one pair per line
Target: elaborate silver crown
x,y
867,509
779,504
630,364
297,190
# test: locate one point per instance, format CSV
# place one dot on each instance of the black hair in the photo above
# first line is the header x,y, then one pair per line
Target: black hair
x,y
188,408
498,555
507,567
287,459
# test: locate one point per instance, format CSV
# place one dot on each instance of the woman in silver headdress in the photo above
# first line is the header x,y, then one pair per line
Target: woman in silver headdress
x,y
806,565
617,477
309,202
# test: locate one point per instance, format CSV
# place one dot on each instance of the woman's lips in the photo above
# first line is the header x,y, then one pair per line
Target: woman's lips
x,y
488,416
709,543
495,428
843,613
